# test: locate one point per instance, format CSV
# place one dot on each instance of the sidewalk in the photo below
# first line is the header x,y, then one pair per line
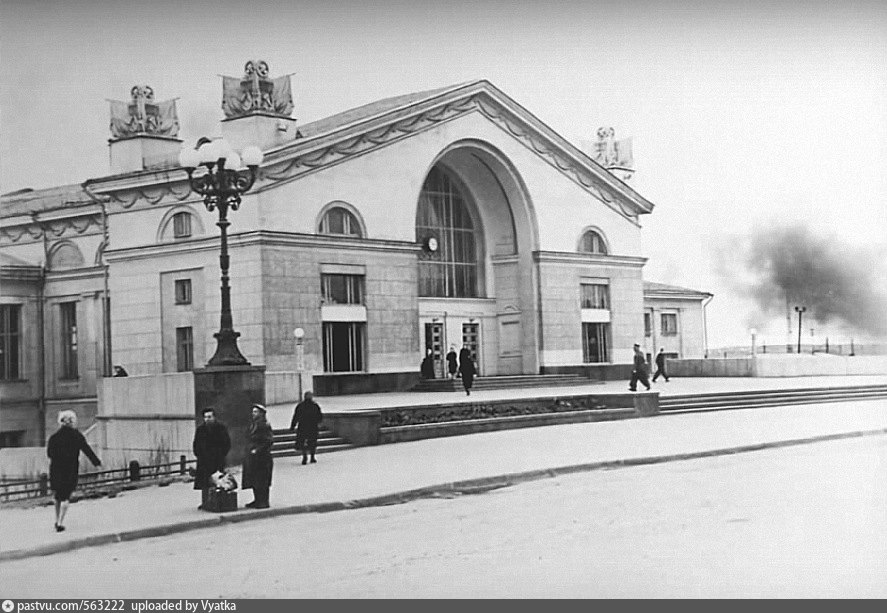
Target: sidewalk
x,y
280,414
388,474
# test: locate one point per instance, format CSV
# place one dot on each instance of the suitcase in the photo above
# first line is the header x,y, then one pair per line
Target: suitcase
x,y
219,501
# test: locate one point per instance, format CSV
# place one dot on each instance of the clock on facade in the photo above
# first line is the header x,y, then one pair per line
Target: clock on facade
x,y
431,244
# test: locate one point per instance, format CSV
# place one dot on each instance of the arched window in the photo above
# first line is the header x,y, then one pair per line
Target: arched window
x,y
339,220
65,255
449,265
592,242
181,225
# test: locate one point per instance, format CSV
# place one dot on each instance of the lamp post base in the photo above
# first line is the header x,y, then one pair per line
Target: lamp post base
x,y
227,353
231,391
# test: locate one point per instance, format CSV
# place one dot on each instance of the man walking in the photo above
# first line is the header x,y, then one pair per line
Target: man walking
x,y
306,422
640,370
660,366
211,444
467,369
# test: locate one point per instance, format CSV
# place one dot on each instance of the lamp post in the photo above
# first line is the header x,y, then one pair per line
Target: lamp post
x,y
299,333
221,186
754,335
800,311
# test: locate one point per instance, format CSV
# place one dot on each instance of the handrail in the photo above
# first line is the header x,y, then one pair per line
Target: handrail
x,y
35,488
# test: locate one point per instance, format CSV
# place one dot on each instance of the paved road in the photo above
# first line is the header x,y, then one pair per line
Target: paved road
x,y
805,521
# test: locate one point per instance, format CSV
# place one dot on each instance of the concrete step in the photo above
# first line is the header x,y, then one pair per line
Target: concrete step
x,y
503,382
768,398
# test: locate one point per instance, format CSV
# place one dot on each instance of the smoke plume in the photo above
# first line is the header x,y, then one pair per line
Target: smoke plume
x,y
788,265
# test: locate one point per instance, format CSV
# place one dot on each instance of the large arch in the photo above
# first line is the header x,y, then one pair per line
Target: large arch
x,y
503,318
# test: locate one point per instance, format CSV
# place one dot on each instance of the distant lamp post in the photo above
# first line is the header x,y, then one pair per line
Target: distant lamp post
x,y
299,334
754,335
221,186
800,311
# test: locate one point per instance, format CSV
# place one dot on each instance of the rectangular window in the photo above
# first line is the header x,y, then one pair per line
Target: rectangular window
x,y
595,296
343,346
10,341
69,340
183,291
648,324
181,225
669,324
342,289
184,349
595,342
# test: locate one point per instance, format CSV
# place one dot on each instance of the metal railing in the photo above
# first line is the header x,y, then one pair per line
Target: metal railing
x,y
91,481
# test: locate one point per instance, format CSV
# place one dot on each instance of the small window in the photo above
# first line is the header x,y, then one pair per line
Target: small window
x,y
595,296
181,225
183,291
592,242
184,349
339,220
669,324
648,324
68,311
10,341
342,289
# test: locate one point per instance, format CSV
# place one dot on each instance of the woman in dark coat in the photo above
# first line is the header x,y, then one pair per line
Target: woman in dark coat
x,y
63,449
427,366
466,367
258,465
306,422
452,362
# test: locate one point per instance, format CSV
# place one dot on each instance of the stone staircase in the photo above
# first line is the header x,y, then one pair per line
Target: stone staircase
x,y
694,403
501,382
284,443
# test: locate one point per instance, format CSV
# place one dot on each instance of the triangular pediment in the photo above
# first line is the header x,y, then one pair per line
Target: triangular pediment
x,y
357,131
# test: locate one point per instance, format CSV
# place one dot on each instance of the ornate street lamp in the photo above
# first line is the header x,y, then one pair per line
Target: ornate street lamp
x,y
221,186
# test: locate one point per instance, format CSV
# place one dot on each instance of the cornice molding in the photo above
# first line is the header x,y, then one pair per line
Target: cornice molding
x,y
566,257
75,223
261,238
305,156
21,273
695,296
70,274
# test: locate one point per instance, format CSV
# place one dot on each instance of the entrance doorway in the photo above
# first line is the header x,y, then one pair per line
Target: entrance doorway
x,y
471,340
595,342
434,340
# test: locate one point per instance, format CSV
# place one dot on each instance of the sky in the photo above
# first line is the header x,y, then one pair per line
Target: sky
x,y
754,124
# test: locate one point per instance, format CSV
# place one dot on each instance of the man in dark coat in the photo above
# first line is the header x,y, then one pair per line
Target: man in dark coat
x,y
306,422
63,449
660,366
467,369
452,362
640,370
211,444
258,465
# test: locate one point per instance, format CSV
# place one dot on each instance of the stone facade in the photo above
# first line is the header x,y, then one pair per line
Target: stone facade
x,y
144,240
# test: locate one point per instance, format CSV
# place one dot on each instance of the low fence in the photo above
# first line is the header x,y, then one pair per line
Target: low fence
x,y
92,481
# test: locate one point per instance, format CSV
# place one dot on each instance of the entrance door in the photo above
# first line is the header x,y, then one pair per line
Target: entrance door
x,y
471,340
434,340
595,342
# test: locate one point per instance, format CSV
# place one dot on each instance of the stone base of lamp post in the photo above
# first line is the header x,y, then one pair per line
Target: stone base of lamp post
x,y
231,391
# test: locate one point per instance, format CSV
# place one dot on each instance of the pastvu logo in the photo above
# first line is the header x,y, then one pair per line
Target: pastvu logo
x,y
8,606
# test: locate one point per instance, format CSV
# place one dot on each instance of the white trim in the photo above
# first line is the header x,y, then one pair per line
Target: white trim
x,y
595,316
343,313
